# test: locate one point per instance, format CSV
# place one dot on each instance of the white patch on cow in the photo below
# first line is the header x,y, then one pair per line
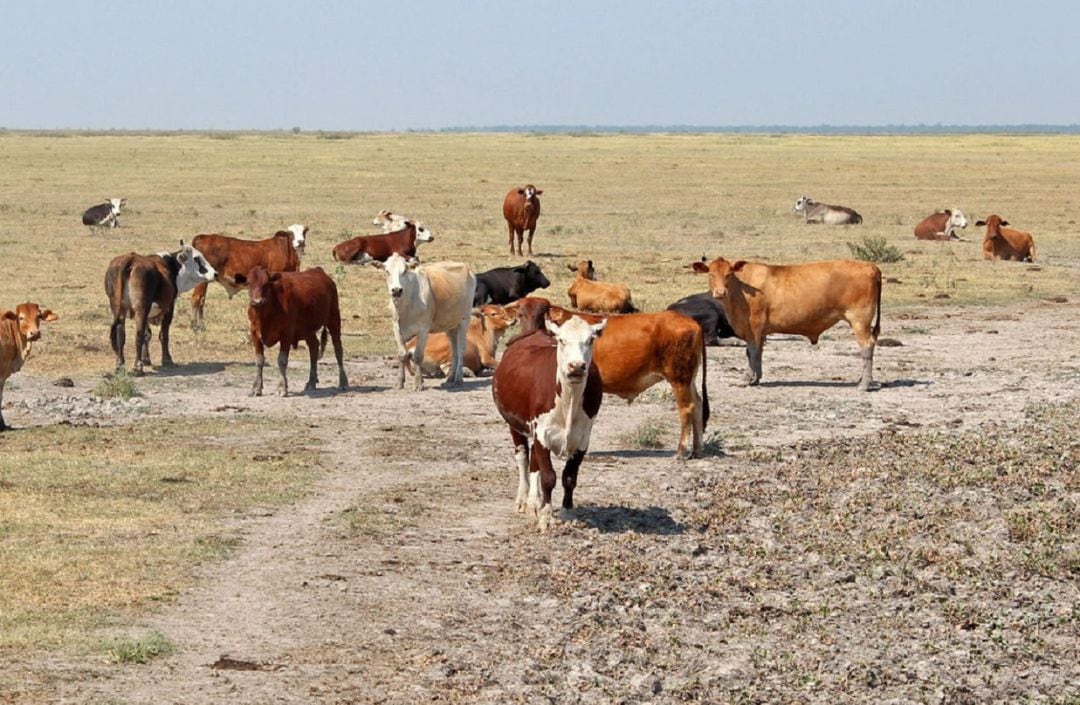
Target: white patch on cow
x,y
389,221
566,428
423,233
299,232
529,192
521,457
957,220
194,269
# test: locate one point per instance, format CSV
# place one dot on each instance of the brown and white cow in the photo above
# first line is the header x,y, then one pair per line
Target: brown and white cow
x,y
640,349
19,330
145,288
367,249
942,225
486,328
548,390
1005,243
815,212
231,256
801,299
588,294
521,208
286,308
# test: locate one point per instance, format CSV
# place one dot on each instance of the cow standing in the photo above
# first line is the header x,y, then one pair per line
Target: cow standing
x,y
802,299
378,248
145,288
430,299
1005,243
548,390
941,226
824,213
104,215
232,256
503,285
289,307
521,208
19,330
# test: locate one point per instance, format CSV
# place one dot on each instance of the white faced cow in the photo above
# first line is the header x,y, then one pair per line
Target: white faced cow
x,y
299,237
430,299
942,225
104,215
824,213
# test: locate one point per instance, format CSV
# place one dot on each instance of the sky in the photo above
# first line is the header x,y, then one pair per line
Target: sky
x,y
401,65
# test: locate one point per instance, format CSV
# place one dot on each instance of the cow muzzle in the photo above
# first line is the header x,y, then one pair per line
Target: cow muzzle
x,y
396,292
576,372
34,336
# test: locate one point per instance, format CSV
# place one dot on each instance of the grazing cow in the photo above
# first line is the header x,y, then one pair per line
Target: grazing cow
x,y
640,349
1005,243
942,225
588,294
378,248
486,328
145,288
232,256
389,220
103,215
709,314
548,390
19,330
803,299
505,284
521,208
435,298
287,307
824,213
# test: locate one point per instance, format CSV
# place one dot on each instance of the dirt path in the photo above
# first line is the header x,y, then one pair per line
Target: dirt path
x,y
400,578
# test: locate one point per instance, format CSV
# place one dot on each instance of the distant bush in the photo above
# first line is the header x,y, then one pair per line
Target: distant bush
x,y
875,249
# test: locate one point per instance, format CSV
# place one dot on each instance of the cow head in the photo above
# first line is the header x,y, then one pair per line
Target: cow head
x,y
116,204
584,268
299,237
574,348
496,318
389,220
194,269
993,224
720,272
258,282
423,233
30,317
529,192
534,278
957,219
400,275
801,204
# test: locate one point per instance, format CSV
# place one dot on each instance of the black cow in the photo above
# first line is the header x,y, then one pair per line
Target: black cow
x,y
503,285
709,314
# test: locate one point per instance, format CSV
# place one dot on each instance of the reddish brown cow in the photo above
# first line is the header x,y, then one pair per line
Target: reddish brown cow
x,y
378,248
942,225
521,208
231,256
1005,243
287,307
803,299
19,330
640,349
542,387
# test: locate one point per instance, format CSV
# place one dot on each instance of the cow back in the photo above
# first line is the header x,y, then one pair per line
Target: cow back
x,y
452,287
709,314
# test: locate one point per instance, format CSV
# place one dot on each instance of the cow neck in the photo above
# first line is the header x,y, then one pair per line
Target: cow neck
x,y
173,265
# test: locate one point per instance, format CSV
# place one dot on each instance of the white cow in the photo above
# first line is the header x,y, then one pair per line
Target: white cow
x,y
435,298
390,221
824,213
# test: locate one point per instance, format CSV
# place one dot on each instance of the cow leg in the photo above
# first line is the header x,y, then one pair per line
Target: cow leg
x,y
3,425
283,366
521,457
510,228
198,300
569,478
688,402
531,231
312,342
260,363
142,344
543,475
418,361
753,356
116,337
163,336
339,355
457,354
865,338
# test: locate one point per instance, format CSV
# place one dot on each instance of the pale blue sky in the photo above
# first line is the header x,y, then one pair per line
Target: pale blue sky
x,y
398,65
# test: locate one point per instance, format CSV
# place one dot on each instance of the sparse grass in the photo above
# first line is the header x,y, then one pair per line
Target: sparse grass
x,y
139,649
117,386
650,435
875,249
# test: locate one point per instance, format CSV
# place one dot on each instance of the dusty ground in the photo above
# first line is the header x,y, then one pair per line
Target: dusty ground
x,y
864,567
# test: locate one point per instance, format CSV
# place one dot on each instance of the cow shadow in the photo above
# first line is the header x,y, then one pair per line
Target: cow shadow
x,y
191,369
614,519
333,391
655,453
898,383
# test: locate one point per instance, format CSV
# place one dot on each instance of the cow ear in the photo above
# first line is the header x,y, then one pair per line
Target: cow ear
x,y
1004,222
572,267
551,326
9,316
239,278
521,192
738,266
538,191
598,328
980,223
412,263
48,315
276,276
700,267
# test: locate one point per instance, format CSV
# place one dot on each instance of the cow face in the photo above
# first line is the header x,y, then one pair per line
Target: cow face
x,y
194,269
993,224
116,204
801,204
496,318
30,317
423,234
720,271
574,348
299,237
529,192
957,220
584,268
399,275
532,275
258,282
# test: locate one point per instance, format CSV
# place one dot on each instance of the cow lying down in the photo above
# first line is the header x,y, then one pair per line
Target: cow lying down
x,y
486,328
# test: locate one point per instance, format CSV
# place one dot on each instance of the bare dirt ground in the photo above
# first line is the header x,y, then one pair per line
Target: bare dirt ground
x,y
831,549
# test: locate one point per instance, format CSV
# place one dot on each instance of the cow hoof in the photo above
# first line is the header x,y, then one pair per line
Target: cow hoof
x,y
255,393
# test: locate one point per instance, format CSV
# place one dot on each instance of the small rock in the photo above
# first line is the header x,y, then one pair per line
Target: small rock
x,y
64,382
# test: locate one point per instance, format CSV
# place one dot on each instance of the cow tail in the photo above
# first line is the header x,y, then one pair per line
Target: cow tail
x,y
704,385
117,301
877,318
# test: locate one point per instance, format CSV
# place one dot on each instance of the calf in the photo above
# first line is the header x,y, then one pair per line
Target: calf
x,y
503,285
548,391
486,329
103,215
145,288
232,256
521,208
379,248
942,225
603,297
824,213
803,299
1005,243
389,221
431,299
287,307
709,314
19,330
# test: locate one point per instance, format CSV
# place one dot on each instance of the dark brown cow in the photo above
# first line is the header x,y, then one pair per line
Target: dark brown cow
x,y
287,307
378,248
231,256
1005,243
521,208
145,288
802,299
548,391
19,330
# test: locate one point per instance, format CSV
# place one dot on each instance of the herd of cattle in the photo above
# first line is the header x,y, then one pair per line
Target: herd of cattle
x,y
550,381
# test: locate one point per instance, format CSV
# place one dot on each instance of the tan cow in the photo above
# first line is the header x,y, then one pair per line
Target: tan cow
x,y
486,328
801,299
19,329
1005,243
588,294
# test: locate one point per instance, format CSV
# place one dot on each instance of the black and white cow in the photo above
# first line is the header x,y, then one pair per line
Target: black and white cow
x,y
503,285
104,215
